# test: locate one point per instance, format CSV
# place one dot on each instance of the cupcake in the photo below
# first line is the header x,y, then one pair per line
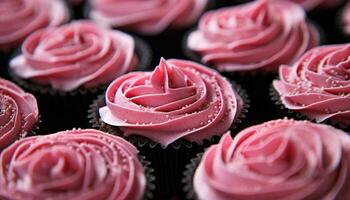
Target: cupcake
x,y
170,114
157,21
19,18
18,113
147,17
256,36
68,65
78,164
318,85
345,20
313,4
281,159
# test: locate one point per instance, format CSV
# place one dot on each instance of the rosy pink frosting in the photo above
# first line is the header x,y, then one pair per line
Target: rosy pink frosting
x,y
318,85
78,164
345,17
19,18
312,4
79,54
255,36
281,159
18,112
147,17
159,105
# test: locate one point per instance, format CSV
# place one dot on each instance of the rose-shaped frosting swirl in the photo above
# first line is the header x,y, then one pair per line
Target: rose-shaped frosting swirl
x,y
281,159
312,4
18,112
78,164
79,54
256,36
147,17
345,17
318,85
159,105
19,18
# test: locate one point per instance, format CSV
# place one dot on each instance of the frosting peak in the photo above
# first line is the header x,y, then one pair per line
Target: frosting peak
x,y
158,104
281,159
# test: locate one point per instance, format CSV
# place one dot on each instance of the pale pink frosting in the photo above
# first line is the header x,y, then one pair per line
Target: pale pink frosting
x,y
318,85
279,160
147,17
259,35
19,18
345,17
18,112
312,4
79,54
78,164
179,99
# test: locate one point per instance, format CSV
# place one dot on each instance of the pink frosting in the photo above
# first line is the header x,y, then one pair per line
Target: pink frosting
x,y
147,17
79,54
259,35
318,85
78,164
312,4
159,105
279,160
19,18
18,113
345,17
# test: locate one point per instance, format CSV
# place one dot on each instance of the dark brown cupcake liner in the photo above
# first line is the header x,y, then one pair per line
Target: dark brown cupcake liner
x,y
169,161
150,178
188,175
285,112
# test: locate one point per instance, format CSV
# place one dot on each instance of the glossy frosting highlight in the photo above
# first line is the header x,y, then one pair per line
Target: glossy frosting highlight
x,y
19,18
259,35
318,84
79,54
78,164
280,160
159,105
18,113
147,17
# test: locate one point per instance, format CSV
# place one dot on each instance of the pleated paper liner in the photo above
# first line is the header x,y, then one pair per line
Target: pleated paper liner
x,y
169,162
188,175
65,110
150,178
285,112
